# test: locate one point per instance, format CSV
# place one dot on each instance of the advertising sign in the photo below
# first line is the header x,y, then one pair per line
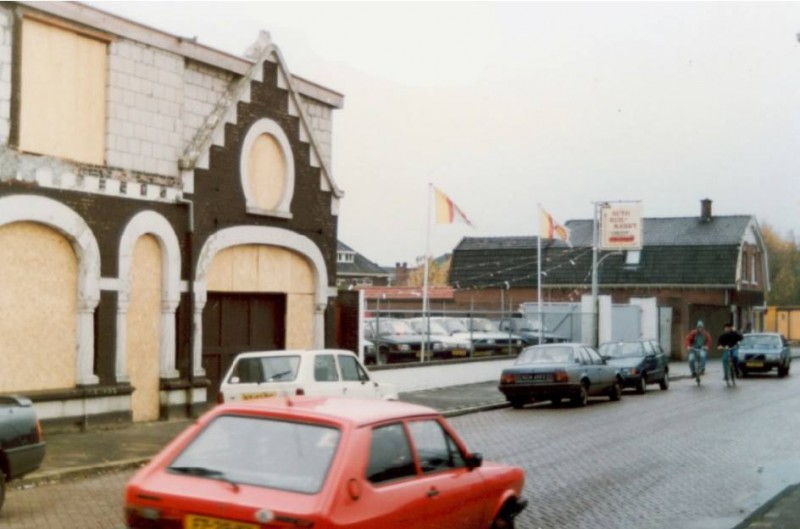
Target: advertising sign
x,y
621,226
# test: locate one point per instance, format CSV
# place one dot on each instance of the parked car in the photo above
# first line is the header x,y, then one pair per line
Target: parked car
x,y
325,463
763,352
458,346
22,446
486,336
640,363
559,371
398,342
330,372
529,331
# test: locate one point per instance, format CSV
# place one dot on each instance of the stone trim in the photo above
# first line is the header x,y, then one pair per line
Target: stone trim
x,y
31,208
150,223
267,126
243,235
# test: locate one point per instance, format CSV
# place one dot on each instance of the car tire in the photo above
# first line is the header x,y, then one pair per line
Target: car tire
x,y
615,393
744,372
581,398
556,402
2,489
517,403
664,382
641,385
504,520
783,371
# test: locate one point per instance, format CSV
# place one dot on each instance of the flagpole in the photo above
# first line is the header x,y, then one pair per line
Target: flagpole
x,y
539,276
425,300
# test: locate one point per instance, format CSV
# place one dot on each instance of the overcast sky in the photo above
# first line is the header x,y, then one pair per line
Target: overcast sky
x,y
504,106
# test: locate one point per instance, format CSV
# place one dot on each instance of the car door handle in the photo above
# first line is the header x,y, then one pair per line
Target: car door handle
x,y
433,492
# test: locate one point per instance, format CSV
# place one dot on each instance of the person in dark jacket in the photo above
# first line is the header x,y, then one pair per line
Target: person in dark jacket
x,y
730,338
698,340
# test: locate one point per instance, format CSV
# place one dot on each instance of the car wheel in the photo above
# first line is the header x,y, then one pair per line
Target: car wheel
x,y
582,397
744,372
503,522
517,403
664,382
783,371
641,385
616,391
2,488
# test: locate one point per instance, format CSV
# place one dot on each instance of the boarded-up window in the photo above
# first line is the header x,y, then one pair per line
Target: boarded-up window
x,y
63,93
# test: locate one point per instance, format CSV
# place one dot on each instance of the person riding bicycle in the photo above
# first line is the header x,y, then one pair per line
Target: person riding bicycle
x,y
730,339
698,340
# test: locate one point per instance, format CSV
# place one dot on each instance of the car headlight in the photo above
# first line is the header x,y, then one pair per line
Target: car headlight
x,y
403,347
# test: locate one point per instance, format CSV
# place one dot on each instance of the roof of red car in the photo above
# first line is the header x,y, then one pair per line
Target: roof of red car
x,y
357,412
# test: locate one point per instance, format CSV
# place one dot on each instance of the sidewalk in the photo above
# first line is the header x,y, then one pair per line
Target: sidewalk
x,y
72,455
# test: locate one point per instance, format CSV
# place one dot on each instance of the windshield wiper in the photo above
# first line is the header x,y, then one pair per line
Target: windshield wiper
x,y
206,473
280,375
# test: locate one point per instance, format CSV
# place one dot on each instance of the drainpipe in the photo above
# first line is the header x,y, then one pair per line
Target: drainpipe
x,y
190,287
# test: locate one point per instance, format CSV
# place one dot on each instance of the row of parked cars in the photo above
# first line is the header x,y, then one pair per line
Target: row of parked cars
x,y
393,340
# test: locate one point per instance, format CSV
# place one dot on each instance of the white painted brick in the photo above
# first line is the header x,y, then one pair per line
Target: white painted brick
x,y
112,186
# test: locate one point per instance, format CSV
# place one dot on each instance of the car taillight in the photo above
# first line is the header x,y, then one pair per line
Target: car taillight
x,y
507,379
560,376
149,518
299,391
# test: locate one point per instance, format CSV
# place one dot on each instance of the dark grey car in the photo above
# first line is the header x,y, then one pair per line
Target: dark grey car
x,y
559,371
763,352
640,363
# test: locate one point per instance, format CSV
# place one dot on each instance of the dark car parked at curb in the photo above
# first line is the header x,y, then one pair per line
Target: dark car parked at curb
x,y
554,372
763,352
640,363
22,448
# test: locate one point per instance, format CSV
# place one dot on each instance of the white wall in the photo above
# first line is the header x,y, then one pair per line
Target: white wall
x,y
424,376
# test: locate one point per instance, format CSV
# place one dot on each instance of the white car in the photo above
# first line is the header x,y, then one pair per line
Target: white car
x,y
459,346
323,372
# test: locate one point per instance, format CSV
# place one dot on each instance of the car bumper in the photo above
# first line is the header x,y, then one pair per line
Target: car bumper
x,y
762,366
539,391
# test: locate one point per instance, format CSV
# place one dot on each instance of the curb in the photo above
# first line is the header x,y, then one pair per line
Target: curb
x,y
766,507
48,477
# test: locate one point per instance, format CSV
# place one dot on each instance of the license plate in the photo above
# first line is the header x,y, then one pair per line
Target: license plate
x,y
251,396
537,377
755,364
203,522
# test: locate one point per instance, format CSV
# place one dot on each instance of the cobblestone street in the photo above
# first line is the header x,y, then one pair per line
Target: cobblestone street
x,y
690,458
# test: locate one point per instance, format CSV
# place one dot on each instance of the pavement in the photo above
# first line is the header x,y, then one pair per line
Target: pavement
x,y
75,455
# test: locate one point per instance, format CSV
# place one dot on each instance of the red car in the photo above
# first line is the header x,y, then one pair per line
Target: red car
x,y
325,463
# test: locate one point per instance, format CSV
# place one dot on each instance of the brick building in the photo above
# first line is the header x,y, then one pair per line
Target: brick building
x,y
163,206
706,267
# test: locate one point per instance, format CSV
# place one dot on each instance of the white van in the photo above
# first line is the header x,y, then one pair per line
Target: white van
x,y
329,372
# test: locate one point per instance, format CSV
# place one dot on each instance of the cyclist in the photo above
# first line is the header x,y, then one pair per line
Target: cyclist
x,y
698,340
730,338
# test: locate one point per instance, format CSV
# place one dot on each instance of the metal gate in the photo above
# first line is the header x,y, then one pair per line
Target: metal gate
x,y
626,323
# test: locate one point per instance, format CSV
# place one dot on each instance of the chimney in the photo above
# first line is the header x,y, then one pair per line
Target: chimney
x,y
705,210
401,274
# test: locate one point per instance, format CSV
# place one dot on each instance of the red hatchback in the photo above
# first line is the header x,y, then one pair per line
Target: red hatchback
x,y
324,463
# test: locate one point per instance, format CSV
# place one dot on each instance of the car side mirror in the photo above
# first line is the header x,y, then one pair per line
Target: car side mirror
x,y
474,460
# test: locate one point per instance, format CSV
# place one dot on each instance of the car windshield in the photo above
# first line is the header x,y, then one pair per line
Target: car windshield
x,y
392,327
435,327
767,341
453,325
257,369
622,350
276,454
546,355
481,325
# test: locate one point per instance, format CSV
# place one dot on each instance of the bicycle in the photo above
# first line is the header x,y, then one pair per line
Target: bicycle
x,y
729,365
695,362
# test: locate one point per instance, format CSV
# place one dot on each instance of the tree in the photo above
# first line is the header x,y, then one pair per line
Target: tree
x,y
438,272
784,267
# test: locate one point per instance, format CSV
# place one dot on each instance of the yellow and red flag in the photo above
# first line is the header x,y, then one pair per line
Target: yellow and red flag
x,y
447,212
550,229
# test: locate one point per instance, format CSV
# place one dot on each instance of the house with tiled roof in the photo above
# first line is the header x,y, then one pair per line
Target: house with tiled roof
x,y
711,268
354,270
